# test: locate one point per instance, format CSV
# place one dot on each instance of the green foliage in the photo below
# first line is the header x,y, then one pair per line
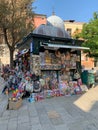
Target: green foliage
x,y
90,35
16,18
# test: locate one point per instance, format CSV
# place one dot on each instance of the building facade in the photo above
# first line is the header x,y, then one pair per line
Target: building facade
x,y
74,28
39,19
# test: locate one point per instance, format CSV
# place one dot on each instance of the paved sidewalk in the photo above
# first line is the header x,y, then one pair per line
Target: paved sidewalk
x,y
58,113
3,98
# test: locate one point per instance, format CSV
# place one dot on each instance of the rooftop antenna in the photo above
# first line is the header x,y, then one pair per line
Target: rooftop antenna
x,y
53,12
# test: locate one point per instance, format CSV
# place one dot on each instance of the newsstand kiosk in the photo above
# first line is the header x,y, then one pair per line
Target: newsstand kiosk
x,y
54,59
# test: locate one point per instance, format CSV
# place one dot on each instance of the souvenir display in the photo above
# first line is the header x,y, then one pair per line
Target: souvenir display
x,y
58,54
50,67
50,78
67,56
55,59
76,75
29,87
36,87
35,65
51,74
47,57
31,98
56,70
42,58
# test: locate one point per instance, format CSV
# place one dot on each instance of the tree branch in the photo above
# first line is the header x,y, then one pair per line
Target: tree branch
x,y
5,37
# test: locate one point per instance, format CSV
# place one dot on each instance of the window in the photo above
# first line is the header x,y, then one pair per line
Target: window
x,y
42,18
69,30
95,63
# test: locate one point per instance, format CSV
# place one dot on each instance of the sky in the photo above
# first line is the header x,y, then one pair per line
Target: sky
x,y
78,10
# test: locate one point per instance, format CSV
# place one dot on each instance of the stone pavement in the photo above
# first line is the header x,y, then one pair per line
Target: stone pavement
x,y
59,113
3,98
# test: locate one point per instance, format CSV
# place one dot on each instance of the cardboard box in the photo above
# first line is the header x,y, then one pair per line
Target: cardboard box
x,y
14,105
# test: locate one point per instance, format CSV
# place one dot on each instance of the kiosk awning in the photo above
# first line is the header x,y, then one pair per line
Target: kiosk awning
x,y
67,46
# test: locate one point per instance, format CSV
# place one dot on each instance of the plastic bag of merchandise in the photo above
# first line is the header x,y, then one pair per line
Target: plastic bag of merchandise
x,y
37,87
49,93
39,96
29,87
21,86
42,82
79,81
84,88
63,86
77,90
31,98
76,75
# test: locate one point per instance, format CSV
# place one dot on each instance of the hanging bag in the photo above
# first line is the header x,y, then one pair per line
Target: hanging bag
x,y
76,75
37,87
29,87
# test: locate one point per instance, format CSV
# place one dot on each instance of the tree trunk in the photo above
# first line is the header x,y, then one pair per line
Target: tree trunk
x,y
11,57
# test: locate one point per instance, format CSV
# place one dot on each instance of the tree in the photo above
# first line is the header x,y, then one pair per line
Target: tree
x,y
1,50
90,35
1,46
15,22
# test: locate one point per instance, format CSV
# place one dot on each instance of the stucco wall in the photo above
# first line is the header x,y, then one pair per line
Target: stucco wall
x,y
38,20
